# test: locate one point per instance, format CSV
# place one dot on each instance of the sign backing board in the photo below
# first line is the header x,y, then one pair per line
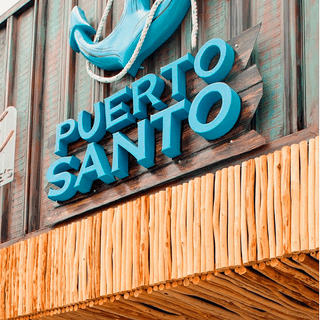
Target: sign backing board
x,y
8,128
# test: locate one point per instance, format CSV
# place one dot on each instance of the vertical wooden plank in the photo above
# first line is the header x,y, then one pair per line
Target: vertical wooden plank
x,y
48,272
310,71
237,216
265,252
156,238
270,13
231,217
124,247
257,205
190,236
277,202
5,191
167,248
2,287
110,234
311,194
178,233
82,262
103,266
162,204
8,286
129,235
17,279
209,223
72,258
76,264
295,198
214,20
173,234
34,137
183,228
68,261
144,246
203,224
67,67
291,73
118,237
29,278
90,258
304,237
42,265
244,237
197,226
285,197
97,258
224,219
316,205
252,235
136,242
216,219
151,236
114,252
22,278
270,206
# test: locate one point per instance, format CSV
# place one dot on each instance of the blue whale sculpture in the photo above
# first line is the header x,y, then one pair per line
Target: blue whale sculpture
x,y
116,49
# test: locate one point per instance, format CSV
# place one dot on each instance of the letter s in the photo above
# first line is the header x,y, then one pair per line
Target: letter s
x,y
57,174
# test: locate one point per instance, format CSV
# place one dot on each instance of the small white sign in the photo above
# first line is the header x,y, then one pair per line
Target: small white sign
x,y
8,128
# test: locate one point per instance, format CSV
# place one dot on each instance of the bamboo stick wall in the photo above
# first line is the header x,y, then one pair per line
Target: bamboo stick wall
x,y
266,208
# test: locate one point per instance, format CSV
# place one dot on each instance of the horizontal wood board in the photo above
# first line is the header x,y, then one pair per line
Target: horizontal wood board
x,y
63,89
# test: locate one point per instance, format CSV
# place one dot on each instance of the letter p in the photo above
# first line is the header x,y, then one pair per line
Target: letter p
x,y
66,132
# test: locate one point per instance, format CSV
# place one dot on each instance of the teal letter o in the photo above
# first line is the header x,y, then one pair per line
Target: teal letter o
x,y
226,118
207,52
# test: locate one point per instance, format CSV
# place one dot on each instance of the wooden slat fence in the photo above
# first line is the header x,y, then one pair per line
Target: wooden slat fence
x,y
266,208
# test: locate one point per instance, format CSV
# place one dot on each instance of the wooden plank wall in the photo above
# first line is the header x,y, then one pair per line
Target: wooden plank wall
x,y
266,208
54,86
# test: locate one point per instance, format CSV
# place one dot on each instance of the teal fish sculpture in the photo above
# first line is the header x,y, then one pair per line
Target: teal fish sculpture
x,y
113,52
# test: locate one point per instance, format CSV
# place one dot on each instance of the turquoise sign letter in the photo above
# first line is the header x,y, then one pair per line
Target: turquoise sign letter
x,y
225,120
169,121
95,166
147,90
207,52
57,174
66,132
95,132
144,152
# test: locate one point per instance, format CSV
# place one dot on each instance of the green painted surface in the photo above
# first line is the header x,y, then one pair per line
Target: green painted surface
x,y
19,99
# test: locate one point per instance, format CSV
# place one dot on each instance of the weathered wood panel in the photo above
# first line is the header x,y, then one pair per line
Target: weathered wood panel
x,y
286,56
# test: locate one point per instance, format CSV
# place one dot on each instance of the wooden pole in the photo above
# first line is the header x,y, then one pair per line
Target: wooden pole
x,y
304,235
311,194
197,226
243,212
224,219
231,217
190,227
216,218
250,211
277,203
237,215
173,233
316,199
285,198
295,198
263,222
270,206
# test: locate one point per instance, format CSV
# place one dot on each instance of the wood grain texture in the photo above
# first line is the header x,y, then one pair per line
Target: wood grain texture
x,y
85,264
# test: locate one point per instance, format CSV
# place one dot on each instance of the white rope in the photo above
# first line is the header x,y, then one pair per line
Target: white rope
x,y
137,50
